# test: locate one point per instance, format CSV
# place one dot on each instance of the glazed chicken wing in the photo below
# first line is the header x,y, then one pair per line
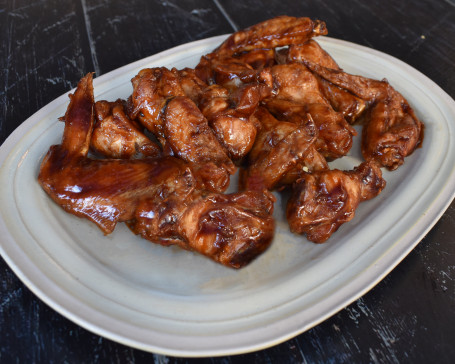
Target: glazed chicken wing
x,y
322,201
105,191
240,56
228,72
310,51
351,106
230,229
229,115
234,71
258,59
152,88
277,32
297,94
392,130
340,99
280,149
116,136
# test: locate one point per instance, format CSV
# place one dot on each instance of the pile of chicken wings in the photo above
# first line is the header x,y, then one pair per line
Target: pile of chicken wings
x,y
270,103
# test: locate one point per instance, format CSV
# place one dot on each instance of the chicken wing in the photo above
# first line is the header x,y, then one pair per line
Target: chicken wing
x,y
258,59
230,229
310,51
229,115
240,56
228,72
234,71
280,148
152,88
322,201
392,130
116,136
340,99
104,191
190,138
277,32
296,94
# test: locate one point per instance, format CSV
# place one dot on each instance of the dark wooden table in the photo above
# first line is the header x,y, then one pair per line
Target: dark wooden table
x,y
46,46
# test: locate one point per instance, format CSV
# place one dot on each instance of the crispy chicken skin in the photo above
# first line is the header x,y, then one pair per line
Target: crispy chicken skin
x,y
322,201
160,198
392,131
116,136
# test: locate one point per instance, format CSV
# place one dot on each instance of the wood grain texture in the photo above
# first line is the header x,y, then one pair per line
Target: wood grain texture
x,y
48,45
122,32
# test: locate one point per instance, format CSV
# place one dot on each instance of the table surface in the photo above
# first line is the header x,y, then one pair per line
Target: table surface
x,y
46,46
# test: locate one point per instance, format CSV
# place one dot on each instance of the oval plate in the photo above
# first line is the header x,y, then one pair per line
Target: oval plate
x,y
174,302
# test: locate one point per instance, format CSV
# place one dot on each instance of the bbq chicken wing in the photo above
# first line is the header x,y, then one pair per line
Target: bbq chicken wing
x,y
296,94
322,201
189,137
230,229
392,131
277,32
340,99
281,150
